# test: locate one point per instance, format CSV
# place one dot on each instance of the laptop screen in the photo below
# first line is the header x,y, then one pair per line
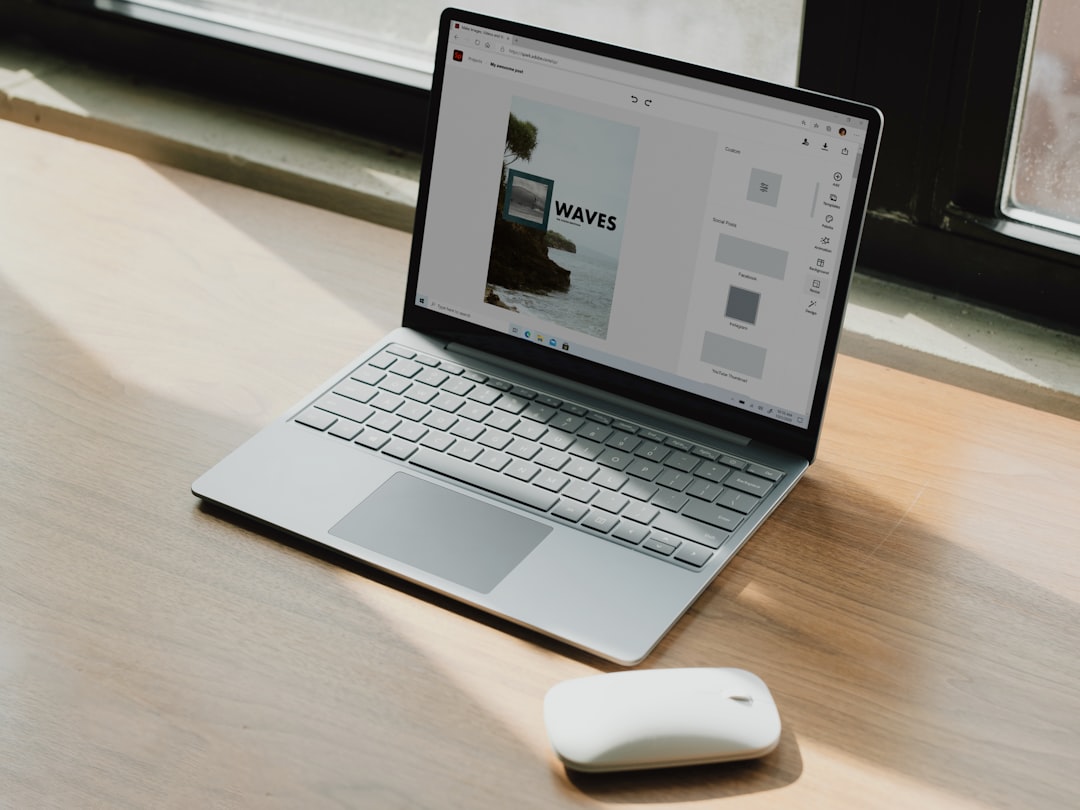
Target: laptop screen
x,y
690,228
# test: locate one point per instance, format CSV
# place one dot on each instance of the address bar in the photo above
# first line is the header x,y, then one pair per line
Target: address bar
x,y
533,55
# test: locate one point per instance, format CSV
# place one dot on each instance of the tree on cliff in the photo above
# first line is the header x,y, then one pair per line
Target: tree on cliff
x,y
520,141
519,259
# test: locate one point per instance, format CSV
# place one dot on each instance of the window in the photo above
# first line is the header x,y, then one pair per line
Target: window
x,y
1044,171
947,75
760,39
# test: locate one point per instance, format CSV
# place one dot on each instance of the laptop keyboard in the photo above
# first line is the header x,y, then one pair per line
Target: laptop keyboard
x,y
670,498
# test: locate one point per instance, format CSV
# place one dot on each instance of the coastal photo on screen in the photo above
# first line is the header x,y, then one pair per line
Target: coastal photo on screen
x,y
560,215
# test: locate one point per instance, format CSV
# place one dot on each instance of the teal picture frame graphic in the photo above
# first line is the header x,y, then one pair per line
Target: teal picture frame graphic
x,y
528,199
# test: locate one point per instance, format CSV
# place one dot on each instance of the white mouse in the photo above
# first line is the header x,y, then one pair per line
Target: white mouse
x,y
658,718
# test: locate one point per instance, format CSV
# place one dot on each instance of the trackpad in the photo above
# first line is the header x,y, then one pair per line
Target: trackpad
x,y
441,531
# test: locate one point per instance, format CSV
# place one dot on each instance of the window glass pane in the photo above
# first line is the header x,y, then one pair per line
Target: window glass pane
x,y
755,37
1044,187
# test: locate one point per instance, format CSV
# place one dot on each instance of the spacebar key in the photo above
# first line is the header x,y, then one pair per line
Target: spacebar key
x,y
484,479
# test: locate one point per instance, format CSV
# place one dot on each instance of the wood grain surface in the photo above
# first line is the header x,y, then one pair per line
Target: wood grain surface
x,y
914,605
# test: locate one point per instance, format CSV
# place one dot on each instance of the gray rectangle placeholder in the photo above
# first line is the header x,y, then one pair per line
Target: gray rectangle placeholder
x,y
751,256
735,355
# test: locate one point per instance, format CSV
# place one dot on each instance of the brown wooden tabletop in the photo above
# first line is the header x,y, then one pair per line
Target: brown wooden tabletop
x,y
914,606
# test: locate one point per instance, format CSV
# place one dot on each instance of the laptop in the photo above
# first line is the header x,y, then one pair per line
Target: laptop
x,y
624,296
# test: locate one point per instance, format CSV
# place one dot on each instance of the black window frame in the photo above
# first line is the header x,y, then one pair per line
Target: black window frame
x,y
945,72
947,75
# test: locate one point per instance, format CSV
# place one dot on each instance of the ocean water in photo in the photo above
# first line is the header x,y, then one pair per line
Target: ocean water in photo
x,y
586,306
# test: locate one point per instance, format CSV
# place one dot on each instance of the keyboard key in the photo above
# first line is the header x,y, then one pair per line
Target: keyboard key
x,y
639,490
653,543
467,430
566,421
595,432
570,510
395,385
580,468
674,479
640,468
704,489
405,368
386,401
484,395
522,470
712,471
690,529
609,479
466,451
739,501
353,389
616,459
599,521
522,448
413,411
670,499
451,368
580,491
731,461
501,421
368,375
682,461
399,449
410,431
438,420
586,448
437,441
421,393
749,483
765,472
530,430
610,501
314,418
553,459
459,387
640,512
511,403
345,429
551,480
493,460
623,441
474,411
630,532
342,406
495,439
538,412
373,439
713,515
558,439
430,376
383,421
693,554
652,451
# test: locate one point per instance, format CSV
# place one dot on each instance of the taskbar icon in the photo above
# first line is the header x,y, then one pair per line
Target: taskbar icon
x,y
536,336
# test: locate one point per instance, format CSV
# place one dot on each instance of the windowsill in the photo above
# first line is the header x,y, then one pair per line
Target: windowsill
x,y
327,169
886,322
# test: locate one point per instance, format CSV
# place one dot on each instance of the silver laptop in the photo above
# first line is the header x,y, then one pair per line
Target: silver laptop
x,y
624,297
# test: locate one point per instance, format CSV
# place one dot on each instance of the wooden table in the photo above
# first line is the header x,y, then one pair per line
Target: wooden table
x,y
914,606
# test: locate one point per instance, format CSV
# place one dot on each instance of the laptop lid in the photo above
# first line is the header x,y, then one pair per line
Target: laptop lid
x,y
674,234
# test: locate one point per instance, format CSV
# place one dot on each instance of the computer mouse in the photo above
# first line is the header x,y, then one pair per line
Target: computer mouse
x,y
657,718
